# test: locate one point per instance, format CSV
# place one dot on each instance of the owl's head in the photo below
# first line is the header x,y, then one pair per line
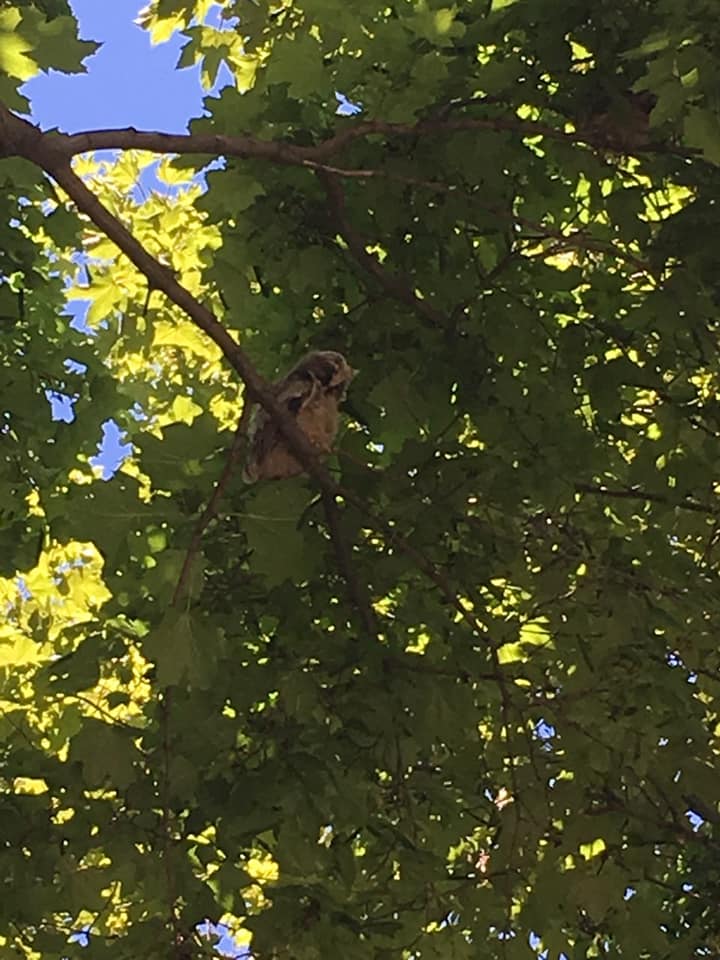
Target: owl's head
x,y
327,367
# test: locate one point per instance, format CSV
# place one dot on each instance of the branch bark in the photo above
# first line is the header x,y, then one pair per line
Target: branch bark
x,y
282,152
286,153
600,490
289,154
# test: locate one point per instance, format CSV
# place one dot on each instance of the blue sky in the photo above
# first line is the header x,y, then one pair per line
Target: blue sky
x,y
128,81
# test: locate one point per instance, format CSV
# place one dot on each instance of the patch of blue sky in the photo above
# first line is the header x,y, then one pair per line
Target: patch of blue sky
x,y
112,450
544,730
696,821
74,366
137,413
81,936
225,945
61,406
78,310
129,82
346,107
536,942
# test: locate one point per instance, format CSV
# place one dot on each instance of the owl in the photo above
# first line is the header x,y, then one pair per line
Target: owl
x,y
312,391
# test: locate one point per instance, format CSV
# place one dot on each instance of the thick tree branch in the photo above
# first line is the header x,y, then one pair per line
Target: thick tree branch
x,y
288,154
285,153
16,134
275,151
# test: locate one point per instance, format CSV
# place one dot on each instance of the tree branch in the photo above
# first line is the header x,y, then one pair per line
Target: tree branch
x,y
356,589
288,154
13,140
603,491
282,152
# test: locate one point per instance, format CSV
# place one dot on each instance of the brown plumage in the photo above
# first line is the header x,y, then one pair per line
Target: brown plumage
x,y
312,391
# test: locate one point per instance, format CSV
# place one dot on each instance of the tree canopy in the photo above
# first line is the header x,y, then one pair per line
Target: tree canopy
x,y
453,693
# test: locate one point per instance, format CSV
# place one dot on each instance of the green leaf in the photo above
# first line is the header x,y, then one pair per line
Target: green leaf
x,y
282,547
106,752
702,130
174,648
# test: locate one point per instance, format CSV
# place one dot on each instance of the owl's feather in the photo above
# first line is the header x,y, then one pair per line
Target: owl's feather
x,y
312,392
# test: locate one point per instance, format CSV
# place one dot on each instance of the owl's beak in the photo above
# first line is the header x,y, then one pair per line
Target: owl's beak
x,y
343,374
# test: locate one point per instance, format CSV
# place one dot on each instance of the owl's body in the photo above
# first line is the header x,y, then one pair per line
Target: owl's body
x,y
312,392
